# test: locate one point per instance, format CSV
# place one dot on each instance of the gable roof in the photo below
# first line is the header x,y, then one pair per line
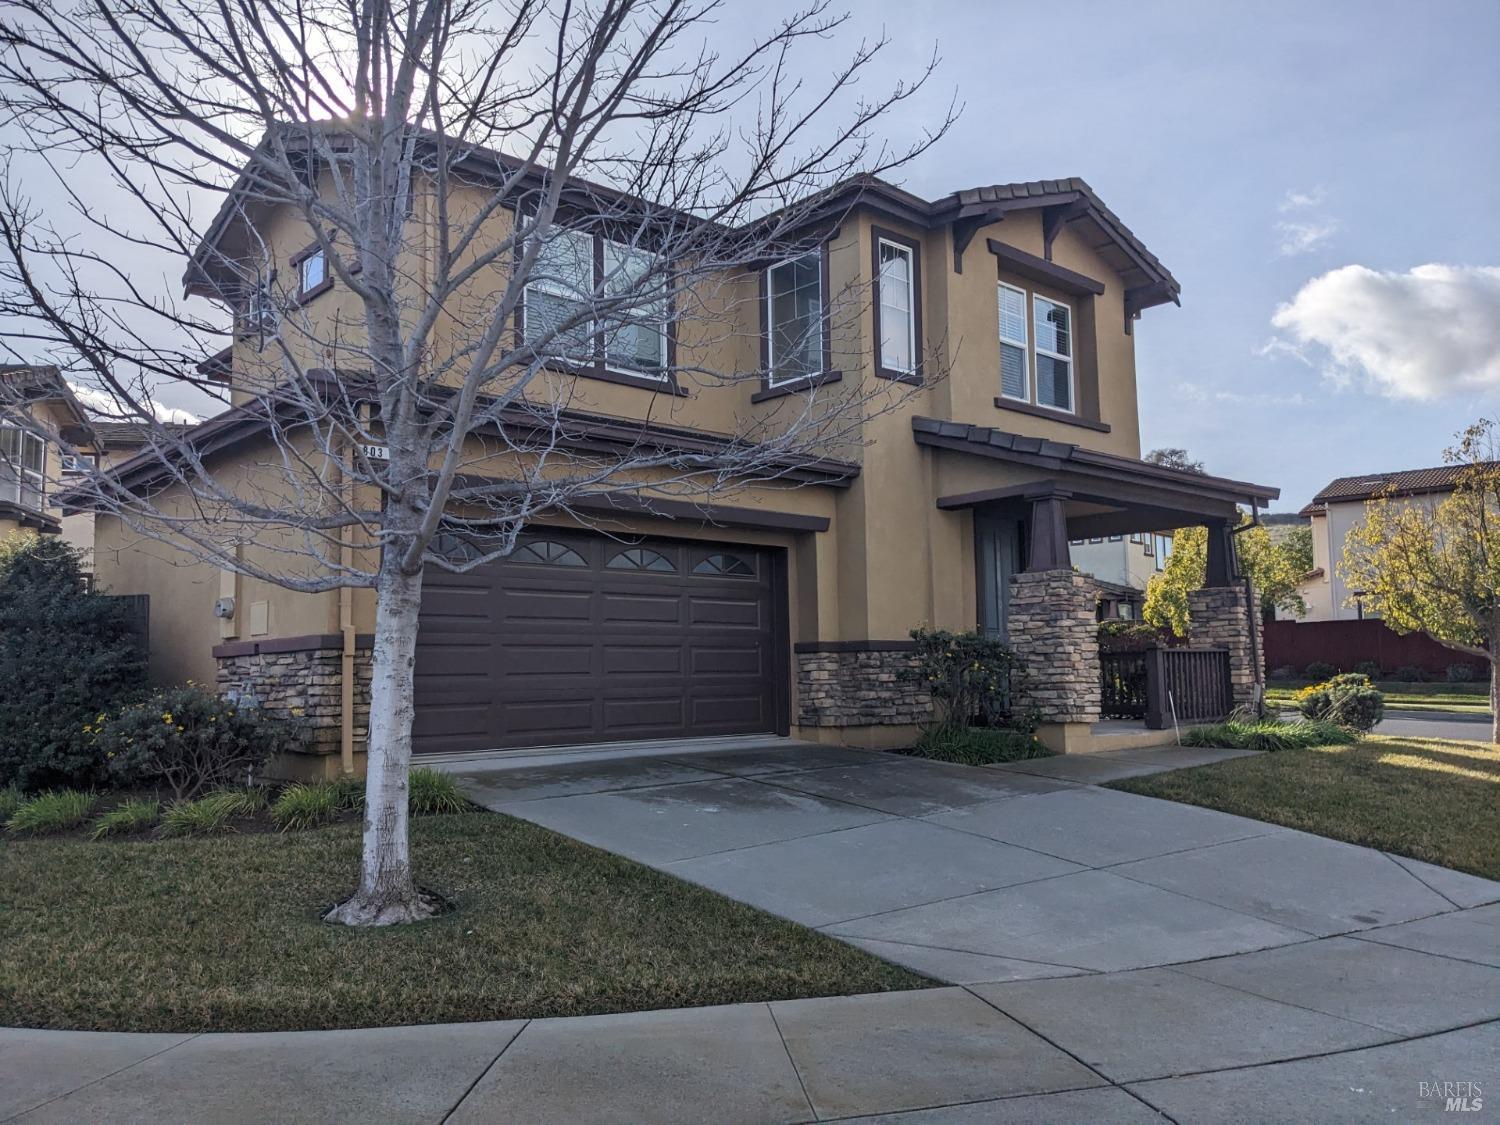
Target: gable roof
x,y
45,383
1068,201
1404,482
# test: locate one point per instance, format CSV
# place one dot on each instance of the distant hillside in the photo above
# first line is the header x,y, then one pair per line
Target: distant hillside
x,y
1278,519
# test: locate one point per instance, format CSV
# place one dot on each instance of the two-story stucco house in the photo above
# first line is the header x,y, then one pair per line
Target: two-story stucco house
x,y
1337,509
1124,565
45,429
789,609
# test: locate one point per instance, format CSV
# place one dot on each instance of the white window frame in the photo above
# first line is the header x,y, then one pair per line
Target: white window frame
x,y
1024,345
1070,360
771,380
598,357
17,474
311,256
911,304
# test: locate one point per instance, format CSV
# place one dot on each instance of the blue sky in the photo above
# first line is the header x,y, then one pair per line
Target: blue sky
x,y
1255,147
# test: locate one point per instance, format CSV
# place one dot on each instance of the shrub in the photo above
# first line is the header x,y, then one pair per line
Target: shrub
x,y
1285,672
969,676
1268,735
134,815
1349,700
1319,670
432,792
192,740
11,798
54,811
1368,668
210,813
1127,636
1408,674
50,691
1460,674
307,805
977,746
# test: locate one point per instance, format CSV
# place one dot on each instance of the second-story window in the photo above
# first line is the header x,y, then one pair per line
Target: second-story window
x,y
312,271
1054,352
794,318
597,303
23,467
1036,351
896,283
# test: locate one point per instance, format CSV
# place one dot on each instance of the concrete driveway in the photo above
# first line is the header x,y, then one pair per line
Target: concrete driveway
x,y
1110,958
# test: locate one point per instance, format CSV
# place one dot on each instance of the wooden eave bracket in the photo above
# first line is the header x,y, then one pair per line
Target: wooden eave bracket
x,y
1055,218
1144,297
966,225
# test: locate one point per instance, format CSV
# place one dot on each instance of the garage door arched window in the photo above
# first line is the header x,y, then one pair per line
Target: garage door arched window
x,y
641,558
548,552
731,566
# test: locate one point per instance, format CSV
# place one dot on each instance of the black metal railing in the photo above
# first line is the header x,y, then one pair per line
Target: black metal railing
x,y
1190,685
1122,677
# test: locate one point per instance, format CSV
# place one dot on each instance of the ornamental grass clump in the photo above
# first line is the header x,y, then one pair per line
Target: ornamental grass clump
x,y
55,811
127,818
1269,735
212,813
309,804
433,792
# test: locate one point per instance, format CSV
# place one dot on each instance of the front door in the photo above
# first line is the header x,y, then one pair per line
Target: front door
x,y
999,543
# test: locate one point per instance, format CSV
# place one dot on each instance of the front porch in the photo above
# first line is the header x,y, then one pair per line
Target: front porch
x,y
1035,496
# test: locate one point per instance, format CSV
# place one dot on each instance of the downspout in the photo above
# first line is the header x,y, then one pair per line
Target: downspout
x,y
1257,662
346,626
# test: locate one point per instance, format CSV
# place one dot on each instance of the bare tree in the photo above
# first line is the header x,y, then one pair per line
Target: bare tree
x,y
441,157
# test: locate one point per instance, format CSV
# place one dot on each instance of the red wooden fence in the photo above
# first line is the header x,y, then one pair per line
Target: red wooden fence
x,y
1347,643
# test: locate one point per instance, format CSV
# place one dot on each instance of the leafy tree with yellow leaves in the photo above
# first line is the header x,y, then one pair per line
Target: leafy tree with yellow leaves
x,y
1273,563
1434,565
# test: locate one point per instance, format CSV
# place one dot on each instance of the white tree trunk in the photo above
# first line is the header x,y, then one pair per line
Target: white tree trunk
x,y
387,893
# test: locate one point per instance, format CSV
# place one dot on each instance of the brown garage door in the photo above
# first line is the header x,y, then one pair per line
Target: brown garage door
x,y
582,638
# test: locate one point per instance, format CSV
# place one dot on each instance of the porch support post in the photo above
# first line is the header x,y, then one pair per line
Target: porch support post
x,y
1049,532
1220,569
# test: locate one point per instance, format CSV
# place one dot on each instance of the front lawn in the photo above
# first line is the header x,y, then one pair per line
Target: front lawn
x,y
1427,798
222,934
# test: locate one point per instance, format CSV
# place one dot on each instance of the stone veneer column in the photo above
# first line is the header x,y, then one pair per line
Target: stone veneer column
x,y
1223,617
1054,631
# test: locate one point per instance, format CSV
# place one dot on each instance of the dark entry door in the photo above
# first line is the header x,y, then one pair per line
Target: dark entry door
x,y
581,638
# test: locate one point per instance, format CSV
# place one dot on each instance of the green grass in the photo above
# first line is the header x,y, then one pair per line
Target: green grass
x,y
309,805
134,815
223,933
11,798
1430,799
1268,735
977,746
1402,696
55,811
211,813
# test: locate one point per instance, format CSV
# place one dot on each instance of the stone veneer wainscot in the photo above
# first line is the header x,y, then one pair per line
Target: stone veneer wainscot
x,y
299,677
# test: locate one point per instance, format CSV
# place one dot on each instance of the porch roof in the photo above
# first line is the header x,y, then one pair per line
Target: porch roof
x,y
1105,494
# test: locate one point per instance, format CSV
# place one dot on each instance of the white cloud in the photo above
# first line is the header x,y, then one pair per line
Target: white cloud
x,y
1301,200
1196,393
1298,237
1425,334
104,407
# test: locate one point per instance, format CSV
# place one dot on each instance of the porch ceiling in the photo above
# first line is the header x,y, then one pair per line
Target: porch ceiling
x,y
1103,493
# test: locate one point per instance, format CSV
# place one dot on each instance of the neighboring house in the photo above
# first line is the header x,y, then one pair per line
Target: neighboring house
x,y
1125,564
783,609
1339,508
114,442
43,428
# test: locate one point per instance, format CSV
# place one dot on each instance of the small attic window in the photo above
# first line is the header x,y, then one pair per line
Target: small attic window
x,y
312,273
